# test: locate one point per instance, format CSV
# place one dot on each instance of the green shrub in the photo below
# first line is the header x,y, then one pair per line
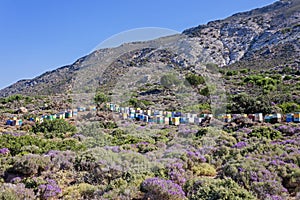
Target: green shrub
x,y
265,132
203,169
80,191
12,98
231,73
194,79
244,71
215,189
101,98
108,124
287,77
205,91
21,144
289,107
139,103
55,128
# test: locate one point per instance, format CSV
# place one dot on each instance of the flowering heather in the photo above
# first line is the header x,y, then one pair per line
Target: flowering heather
x,y
289,130
245,130
115,149
196,156
49,190
16,180
61,160
15,191
277,162
177,173
4,151
186,131
240,145
157,188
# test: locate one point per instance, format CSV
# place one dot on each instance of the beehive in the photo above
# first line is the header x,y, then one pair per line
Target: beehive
x,y
190,120
159,120
258,117
289,117
268,118
149,112
124,116
183,120
167,120
197,120
297,115
146,118
169,114
176,121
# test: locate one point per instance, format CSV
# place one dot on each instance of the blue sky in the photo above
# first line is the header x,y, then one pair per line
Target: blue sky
x,y
40,35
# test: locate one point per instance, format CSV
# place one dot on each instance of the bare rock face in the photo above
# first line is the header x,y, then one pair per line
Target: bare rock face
x,y
22,110
268,33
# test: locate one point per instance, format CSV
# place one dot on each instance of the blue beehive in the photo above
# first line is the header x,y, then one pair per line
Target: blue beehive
x,y
289,118
132,116
296,119
177,114
141,117
9,122
146,118
183,120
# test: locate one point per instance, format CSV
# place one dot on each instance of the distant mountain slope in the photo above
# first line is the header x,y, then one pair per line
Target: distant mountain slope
x,y
264,35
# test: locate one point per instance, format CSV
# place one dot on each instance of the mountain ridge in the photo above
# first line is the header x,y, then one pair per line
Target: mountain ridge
x,y
266,33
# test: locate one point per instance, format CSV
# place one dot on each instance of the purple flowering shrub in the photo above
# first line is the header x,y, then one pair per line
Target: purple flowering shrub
x,y
254,176
177,173
61,160
240,145
157,188
31,164
252,163
15,191
49,190
4,151
288,130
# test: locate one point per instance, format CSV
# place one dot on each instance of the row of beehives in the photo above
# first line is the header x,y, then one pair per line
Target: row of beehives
x,y
178,117
61,115
157,116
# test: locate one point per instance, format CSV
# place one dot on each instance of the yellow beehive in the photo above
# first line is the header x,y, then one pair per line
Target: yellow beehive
x,y
15,118
228,116
176,121
124,115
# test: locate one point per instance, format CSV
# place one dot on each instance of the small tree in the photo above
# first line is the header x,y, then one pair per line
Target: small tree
x,y
101,98
195,80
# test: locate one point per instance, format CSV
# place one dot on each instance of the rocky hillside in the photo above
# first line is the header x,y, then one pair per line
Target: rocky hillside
x,y
263,37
